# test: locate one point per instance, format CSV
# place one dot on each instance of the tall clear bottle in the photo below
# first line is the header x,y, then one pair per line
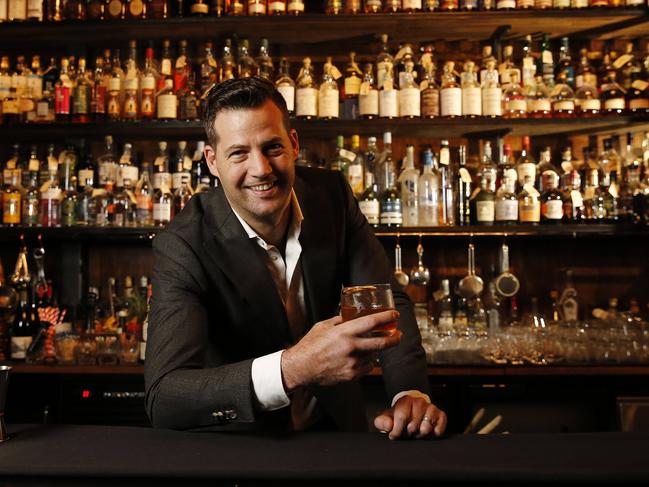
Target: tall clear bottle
x,y
450,93
368,96
408,181
429,191
306,93
471,93
388,94
285,85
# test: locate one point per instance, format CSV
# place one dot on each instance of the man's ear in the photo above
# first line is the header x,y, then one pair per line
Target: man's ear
x,y
295,143
210,158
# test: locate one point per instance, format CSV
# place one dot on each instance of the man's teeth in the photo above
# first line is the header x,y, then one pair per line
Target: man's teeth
x,y
263,187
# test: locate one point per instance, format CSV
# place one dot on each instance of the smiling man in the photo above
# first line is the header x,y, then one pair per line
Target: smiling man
x,y
244,332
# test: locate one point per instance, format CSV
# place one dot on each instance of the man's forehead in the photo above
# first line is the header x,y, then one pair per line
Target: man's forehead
x,y
245,122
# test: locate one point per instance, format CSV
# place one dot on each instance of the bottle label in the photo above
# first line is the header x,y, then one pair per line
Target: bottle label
x,y
352,85
135,7
355,178
506,210
307,102
614,104
19,346
10,106
639,104
539,105
35,86
492,102
564,106
411,4
114,84
561,4
553,209
288,92
5,84
516,106
391,218
388,103
144,204
130,107
129,172
256,8
276,7
17,10
640,85
11,208
451,102
368,104
81,103
131,84
430,102
35,9
588,79
167,106
147,108
506,4
579,4
85,174
115,8
370,208
328,105
486,211
410,102
162,212
148,82
529,212
593,104
296,6
472,101
62,100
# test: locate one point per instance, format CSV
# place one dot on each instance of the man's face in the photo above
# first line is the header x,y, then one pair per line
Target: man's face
x,y
254,161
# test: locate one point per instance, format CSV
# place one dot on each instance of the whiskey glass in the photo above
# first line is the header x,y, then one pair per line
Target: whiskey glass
x,y
357,301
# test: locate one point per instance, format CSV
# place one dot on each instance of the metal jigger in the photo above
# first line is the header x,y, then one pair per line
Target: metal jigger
x,y
4,383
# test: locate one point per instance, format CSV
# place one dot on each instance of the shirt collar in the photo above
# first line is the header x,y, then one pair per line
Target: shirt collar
x,y
295,224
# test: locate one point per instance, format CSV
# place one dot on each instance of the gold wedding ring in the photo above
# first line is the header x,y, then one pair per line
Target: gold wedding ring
x,y
426,418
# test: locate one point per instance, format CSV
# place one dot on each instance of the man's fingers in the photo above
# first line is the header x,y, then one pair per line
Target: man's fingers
x,y
376,344
365,324
433,422
399,420
383,422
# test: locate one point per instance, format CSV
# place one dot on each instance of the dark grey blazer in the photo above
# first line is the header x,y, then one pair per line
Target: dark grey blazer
x,y
215,308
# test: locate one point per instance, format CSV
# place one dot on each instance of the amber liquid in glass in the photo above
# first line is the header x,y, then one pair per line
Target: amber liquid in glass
x,y
351,312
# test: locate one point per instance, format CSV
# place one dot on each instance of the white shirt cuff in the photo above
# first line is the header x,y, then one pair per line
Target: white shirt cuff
x,y
412,393
267,382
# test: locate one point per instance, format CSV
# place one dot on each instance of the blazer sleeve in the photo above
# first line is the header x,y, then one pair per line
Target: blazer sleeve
x,y
180,392
404,366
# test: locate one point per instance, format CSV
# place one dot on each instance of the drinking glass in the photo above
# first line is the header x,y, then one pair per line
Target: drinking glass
x,y
360,301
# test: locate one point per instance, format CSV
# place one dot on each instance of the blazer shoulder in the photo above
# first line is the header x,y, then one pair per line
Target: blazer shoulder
x,y
188,225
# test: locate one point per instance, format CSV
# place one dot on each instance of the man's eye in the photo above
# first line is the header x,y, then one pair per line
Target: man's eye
x,y
275,148
237,153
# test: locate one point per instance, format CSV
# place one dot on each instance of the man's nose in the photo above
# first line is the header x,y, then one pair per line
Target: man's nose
x,y
259,165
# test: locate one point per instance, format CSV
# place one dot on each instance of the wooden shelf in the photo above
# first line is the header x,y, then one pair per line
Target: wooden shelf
x,y
432,370
317,28
430,128
145,235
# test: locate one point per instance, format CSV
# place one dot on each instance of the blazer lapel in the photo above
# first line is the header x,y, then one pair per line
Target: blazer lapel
x,y
317,237
231,251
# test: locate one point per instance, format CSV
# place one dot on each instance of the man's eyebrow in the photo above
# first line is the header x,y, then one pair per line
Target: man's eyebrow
x,y
273,140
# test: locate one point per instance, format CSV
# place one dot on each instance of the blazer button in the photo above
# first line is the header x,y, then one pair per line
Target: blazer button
x,y
231,414
218,416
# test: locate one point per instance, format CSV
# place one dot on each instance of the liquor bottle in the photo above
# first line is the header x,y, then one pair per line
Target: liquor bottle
x,y
450,93
408,182
411,6
391,211
552,203
115,87
545,170
514,99
10,110
161,167
448,5
277,7
429,5
342,157
74,9
188,101
429,188
162,202
505,4
84,204
585,72
577,4
96,10
33,90
328,106
529,204
256,7
115,9
131,85
158,9
429,93
351,89
199,8
22,330
528,64
264,62
507,68
356,168
471,95
638,94
182,67
463,189
483,203
539,104
526,165
166,65
148,85
209,72
369,202
563,98
306,92
286,86
491,92
107,166
386,172
63,92
587,102
182,195
565,62
409,94
368,98
35,10
137,9
573,200
236,8
333,7
11,200
126,169
182,165
167,102
86,175
613,97
546,61
50,204
352,7
226,63
49,162
67,165
373,6
98,94
506,211
69,203
487,58
198,165
388,95
100,206
5,77
143,197
82,95
31,202
391,6
295,7
124,205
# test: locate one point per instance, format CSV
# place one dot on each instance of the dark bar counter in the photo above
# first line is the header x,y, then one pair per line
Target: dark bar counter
x,y
110,455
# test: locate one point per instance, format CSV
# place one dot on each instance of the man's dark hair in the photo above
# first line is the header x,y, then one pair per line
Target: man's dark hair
x,y
240,93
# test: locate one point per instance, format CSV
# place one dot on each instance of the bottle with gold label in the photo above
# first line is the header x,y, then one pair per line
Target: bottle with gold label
x,y
306,92
450,93
277,7
471,93
529,203
514,99
11,199
130,107
351,89
199,8
256,7
612,95
328,94
295,7
148,86
286,86
115,9
82,95
226,63
246,65
137,9
167,102
409,93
